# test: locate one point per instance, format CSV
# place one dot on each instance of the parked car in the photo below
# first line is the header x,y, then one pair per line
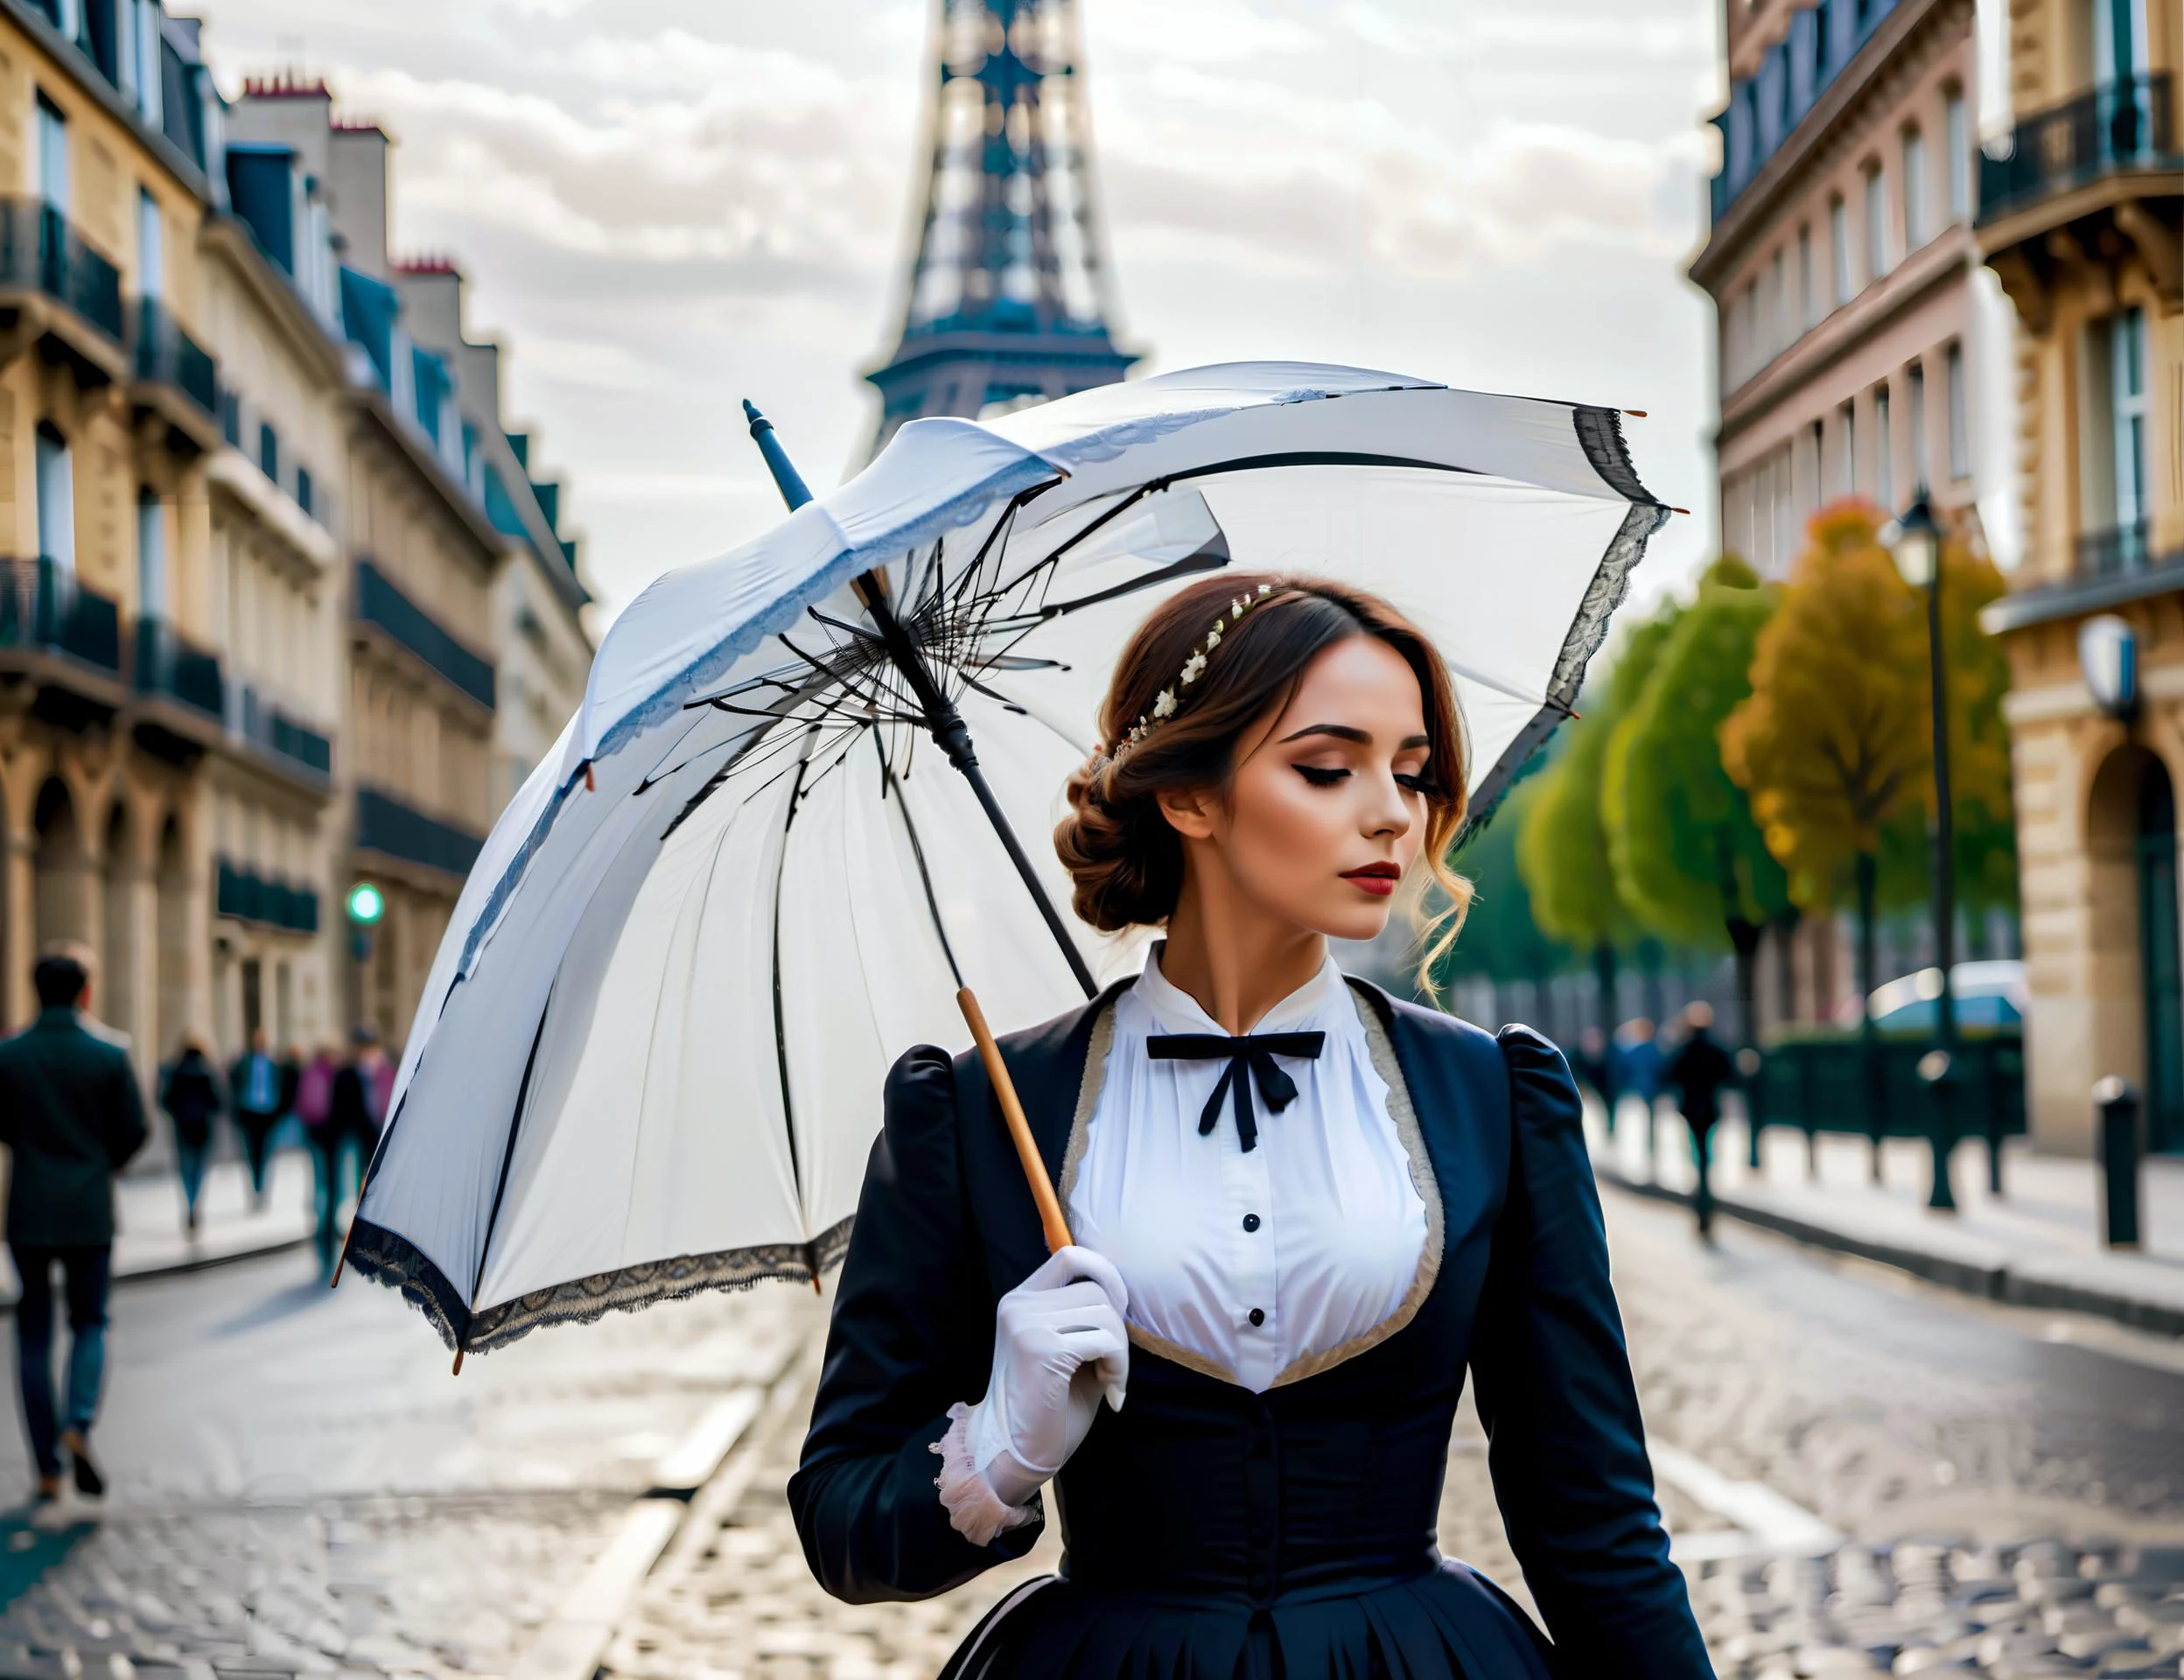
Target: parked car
x,y
1989,994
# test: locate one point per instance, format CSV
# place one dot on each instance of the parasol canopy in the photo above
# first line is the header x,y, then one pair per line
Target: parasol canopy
x,y
809,792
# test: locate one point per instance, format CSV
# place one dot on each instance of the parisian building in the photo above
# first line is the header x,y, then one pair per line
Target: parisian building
x,y
1862,350
2082,218
275,565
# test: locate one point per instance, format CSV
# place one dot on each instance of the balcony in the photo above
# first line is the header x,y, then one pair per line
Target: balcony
x,y
293,746
170,667
2119,128
384,824
248,896
2107,568
53,285
174,377
383,607
45,610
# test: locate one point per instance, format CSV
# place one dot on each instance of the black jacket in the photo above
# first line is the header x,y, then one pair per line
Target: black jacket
x,y
189,1092
71,1113
1698,1072
1204,1516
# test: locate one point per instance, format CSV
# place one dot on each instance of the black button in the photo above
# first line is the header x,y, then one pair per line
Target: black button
x,y
1258,1317
1250,1222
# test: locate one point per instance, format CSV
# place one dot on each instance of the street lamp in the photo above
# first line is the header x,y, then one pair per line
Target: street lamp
x,y
1915,542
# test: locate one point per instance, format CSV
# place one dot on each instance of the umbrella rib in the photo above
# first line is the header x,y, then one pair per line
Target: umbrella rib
x,y
507,1158
780,1026
917,851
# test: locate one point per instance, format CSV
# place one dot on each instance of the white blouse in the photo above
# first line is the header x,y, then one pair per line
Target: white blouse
x,y
1250,1264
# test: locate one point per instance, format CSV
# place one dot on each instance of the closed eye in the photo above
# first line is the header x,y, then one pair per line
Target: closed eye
x,y
1418,783
1321,775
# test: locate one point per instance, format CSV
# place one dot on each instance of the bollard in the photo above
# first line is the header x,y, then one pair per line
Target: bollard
x,y
2116,1106
1938,1075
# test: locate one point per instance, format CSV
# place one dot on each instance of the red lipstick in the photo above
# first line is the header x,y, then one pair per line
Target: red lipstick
x,y
1379,879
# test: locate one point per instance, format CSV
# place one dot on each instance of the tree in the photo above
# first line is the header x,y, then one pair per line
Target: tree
x,y
1562,848
1832,746
1689,858
1501,940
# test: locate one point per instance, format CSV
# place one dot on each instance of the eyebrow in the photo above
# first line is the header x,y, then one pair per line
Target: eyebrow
x,y
1345,732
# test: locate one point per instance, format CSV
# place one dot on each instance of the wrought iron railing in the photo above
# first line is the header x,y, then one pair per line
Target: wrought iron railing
x,y
251,897
166,355
2127,124
39,248
385,824
270,729
172,666
2117,552
43,606
380,602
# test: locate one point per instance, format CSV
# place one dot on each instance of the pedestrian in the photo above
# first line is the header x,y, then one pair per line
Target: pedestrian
x,y
189,1092
1700,1071
1301,1210
1636,1061
361,1091
314,1113
71,1114
1590,1064
254,1085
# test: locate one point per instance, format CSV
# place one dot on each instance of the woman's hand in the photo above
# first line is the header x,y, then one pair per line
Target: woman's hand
x,y
1058,1344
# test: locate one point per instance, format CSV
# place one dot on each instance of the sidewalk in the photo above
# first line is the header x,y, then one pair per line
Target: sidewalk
x,y
2039,1245
151,1242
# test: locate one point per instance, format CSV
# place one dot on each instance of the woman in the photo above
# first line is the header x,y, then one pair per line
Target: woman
x,y
190,1094
1305,1209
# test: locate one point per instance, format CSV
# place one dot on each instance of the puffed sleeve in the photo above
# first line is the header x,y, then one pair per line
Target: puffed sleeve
x,y
1565,1444
913,1332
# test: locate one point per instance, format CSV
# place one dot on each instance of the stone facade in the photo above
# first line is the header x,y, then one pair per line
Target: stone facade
x,y
1851,306
257,515
2082,217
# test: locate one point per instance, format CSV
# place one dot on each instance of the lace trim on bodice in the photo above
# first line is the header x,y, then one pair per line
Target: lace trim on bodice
x,y
1401,1110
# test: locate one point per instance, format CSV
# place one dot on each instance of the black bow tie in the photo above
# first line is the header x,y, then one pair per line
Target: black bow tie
x,y
1254,1051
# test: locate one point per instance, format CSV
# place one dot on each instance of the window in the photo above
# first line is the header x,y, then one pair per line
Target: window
x,y
145,15
1783,331
268,452
151,555
1819,462
2127,380
1846,468
1808,303
56,499
1916,232
1957,136
1884,451
230,407
52,155
303,490
151,262
1840,241
1876,223
2119,38
1921,465
1959,415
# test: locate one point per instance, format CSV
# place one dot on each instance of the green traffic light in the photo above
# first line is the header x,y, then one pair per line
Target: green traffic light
x,y
366,904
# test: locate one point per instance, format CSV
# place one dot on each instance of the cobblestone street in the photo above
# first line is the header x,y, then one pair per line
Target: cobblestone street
x,y
1860,1474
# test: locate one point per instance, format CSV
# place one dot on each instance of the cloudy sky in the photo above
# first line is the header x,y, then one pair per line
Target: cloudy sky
x,y
665,206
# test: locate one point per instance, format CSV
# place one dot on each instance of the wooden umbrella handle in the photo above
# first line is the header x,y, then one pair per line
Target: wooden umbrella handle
x,y
1050,1214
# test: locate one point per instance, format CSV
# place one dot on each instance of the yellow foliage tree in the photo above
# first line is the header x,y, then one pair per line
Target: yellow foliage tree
x,y
1832,745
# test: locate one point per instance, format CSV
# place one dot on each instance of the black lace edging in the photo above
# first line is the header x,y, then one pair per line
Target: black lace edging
x,y
1588,629
379,1255
1601,435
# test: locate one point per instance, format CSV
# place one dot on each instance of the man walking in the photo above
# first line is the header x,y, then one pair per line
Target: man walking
x,y
254,1086
1698,1071
71,1115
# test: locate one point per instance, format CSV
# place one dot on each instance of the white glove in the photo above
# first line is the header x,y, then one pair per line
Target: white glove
x,y
1058,1344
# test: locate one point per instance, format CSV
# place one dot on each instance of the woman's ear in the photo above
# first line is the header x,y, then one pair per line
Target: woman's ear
x,y
1189,811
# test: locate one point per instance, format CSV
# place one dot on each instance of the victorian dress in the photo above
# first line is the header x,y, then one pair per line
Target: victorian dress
x,y
1322,1225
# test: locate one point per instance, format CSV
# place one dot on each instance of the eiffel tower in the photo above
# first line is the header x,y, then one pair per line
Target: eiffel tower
x,y
1007,299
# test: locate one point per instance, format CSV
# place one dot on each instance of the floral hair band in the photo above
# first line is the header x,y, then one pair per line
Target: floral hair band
x,y
1164,702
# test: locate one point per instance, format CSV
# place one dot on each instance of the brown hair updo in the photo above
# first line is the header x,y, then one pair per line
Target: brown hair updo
x,y
1125,859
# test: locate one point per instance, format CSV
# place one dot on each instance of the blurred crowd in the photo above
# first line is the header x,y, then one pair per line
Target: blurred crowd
x,y
1683,1059
335,1095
